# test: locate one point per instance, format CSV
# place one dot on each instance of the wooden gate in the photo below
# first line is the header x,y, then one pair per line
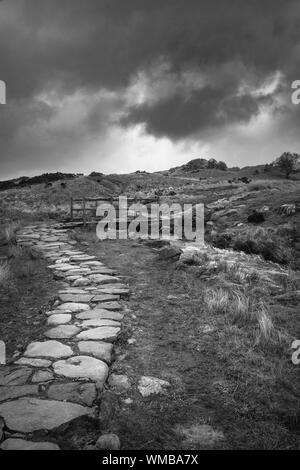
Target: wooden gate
x,y
84,209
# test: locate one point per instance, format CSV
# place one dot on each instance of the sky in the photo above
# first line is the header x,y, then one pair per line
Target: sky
x,y
117,86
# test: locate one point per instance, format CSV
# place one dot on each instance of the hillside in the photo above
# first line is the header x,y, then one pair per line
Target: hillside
x,y
215,323
230,197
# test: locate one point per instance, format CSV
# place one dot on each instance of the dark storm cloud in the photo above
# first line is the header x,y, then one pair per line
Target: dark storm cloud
x,y
103,42
70,46
207,109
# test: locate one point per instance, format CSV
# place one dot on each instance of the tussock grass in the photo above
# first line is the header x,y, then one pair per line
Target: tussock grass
x,y
260,185
19,252
11,231
8,232
264,242
291,282
235,304
268,337
243,309
4,274
15,251
216,300
23,262
225,270
266,327
26,270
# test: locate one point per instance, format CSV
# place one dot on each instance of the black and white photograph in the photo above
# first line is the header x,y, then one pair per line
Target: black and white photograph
x,y
149,229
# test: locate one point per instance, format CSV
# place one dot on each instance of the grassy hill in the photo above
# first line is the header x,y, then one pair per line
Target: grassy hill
x,y
229,201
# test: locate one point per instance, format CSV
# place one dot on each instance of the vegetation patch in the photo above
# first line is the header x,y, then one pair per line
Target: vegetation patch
x,y
26,290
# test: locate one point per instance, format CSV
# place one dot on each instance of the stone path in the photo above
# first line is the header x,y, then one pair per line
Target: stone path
x,y
58,379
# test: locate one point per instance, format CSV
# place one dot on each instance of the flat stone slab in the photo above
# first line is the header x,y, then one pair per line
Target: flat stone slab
x,y
57,312
72,290
32,236
31,414
59,319
82,258
151,386
73,307
105,298
77,298
112,290
63,260
53,349
17,391
102,270
78,272
99,322
62,331
74,278
117,285
99,349
12,375
100,314
61,267
82,281
107,333
21,444
91,263
42,376
111,305
82,393
72,252
33,362
82,367
103,279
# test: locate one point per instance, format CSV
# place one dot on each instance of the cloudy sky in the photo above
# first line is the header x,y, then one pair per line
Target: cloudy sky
x,y
121,85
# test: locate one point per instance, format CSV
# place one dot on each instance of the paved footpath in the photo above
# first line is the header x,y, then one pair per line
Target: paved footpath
x,y
58,379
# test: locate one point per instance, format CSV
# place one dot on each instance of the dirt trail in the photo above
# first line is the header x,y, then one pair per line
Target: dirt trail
x,y
225,392
219,392
209,403
160,317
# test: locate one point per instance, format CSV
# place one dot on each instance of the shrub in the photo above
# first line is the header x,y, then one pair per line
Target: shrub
x,y
259,185
256,217
287,162
194,258
264,242
222,166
